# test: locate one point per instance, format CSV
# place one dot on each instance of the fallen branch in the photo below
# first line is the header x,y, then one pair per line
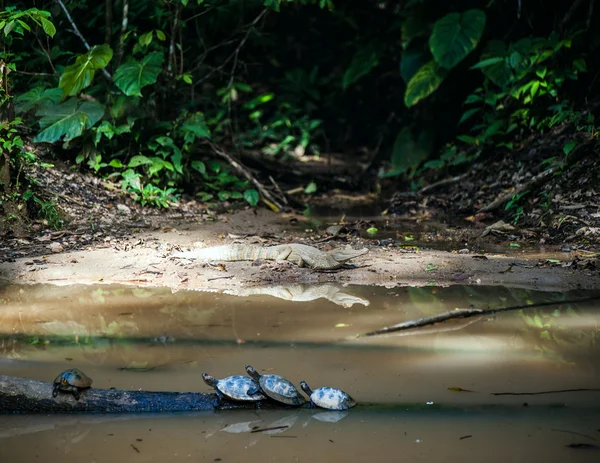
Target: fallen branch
x,y
22,395
573,157
535,181
446,181
242,170
465,313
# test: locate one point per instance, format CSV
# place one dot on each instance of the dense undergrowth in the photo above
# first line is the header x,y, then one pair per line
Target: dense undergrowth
x,y
162,96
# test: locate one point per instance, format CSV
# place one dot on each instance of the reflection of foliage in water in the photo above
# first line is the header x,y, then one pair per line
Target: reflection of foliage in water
x,y
554,336
432,300
558,333
104,324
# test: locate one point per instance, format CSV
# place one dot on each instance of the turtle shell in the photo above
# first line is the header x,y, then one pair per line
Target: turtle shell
x,y
73,377
71,381
277,388
236,388
329,397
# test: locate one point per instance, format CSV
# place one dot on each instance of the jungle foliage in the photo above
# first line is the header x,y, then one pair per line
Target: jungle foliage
x,y
141,92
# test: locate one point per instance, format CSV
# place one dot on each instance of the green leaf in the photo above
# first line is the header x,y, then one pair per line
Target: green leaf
x,y
195,126
541,72
424,83
47,26
473,98
569,147
455,36
134,75
580,65
364,60
24,25
488,62
68,119
372,230
158,164
259,100
199,166
80,75
224,195
251,196
215,166
310,188
468,139
406,152
145,39
494,128
160,35
204,196
413,26
434,164
139,160
411,62
468,114
176,159
37,97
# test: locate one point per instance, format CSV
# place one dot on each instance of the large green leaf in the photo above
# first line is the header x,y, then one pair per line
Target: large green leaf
x,y
424,83
495,64
36,97
364,60
68,119
408,153
411,62
455,36
134,75
80,75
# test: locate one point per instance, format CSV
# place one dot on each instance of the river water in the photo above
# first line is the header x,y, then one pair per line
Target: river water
x,y
521,385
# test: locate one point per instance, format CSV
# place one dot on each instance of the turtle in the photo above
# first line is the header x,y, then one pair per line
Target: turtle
x,y
277,388
71,381
239,388
328,397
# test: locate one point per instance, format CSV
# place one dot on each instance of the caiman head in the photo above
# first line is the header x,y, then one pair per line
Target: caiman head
x,y
345,254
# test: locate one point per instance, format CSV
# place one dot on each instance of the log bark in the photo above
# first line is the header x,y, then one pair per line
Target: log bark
x,y
22,395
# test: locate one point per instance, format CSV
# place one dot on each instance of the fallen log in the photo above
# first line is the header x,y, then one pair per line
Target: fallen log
x,y
22,395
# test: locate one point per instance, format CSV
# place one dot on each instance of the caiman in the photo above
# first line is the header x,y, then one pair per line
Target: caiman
x,y
299,254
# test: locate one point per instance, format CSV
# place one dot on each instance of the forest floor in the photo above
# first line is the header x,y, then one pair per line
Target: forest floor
x,y
110,239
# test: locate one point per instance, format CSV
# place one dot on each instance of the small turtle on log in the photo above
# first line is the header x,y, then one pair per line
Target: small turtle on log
x,y
239,388
71,381
328,397
277,388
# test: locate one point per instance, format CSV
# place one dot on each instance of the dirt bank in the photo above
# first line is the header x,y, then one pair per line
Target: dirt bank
x,y
142,258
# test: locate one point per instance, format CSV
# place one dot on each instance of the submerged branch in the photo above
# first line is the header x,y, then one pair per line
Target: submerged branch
x,y
22,395
465,313
442,317
546,392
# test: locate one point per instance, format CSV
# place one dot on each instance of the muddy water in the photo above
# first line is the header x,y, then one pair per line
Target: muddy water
x,y
406,383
